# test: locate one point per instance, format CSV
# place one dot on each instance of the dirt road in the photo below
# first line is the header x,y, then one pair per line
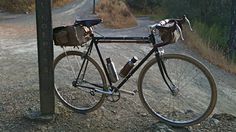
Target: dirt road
x,y
19,76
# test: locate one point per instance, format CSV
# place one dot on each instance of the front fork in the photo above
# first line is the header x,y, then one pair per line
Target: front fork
x,y
172,87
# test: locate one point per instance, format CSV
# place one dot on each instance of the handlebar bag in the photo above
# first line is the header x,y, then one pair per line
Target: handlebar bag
x,y
169,34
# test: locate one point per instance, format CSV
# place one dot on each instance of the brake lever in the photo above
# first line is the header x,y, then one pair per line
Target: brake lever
x,y
180,31
189,24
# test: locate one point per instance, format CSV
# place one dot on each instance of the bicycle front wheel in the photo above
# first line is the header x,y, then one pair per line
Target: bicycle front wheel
x,y
196,93
66,69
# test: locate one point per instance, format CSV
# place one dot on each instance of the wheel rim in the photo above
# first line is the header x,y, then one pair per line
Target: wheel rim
x,y
194,100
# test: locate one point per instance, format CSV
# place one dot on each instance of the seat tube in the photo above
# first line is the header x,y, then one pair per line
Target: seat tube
x,y
85,61
102,61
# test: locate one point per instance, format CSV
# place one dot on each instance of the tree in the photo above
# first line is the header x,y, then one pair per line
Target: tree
x,y
232,39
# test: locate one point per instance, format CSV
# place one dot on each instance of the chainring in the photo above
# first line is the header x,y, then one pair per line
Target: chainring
x,y
114,97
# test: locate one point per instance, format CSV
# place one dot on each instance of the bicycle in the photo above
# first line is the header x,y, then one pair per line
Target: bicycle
x,y
168,85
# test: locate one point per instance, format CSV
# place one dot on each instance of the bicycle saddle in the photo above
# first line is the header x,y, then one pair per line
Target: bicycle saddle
x,y
88,22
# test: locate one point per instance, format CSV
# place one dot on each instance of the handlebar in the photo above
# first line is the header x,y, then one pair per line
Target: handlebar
x,y
168,23
171,25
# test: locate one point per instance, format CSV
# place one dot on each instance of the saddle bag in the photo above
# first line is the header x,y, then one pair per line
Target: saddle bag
x,y
74,35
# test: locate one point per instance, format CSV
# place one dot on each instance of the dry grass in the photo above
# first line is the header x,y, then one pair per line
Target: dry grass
x,y
59,3
17,6
22,6
115,14
194,41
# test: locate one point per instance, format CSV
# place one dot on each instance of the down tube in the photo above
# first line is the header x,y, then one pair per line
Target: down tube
x,y
136,68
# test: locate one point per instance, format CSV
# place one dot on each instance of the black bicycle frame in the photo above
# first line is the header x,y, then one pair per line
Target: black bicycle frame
x,y
149,39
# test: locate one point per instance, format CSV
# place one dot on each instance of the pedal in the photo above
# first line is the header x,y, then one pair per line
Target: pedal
x,y
127,92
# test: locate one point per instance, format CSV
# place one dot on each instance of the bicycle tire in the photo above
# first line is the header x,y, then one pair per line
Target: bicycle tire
x,y
75,98
201,100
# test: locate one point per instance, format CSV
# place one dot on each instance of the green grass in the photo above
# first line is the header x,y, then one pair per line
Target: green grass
x,y
212,34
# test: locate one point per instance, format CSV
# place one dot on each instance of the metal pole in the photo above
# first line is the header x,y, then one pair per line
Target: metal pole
x,y
45,56
93,6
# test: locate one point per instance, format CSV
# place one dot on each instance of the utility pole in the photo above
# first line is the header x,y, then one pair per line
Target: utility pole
x,y
45,56
45,62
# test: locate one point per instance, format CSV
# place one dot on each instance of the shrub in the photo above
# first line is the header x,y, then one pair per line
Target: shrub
x,y
115,14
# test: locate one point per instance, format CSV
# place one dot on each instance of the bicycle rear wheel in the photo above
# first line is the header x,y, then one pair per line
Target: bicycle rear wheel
x,y
196,96
81,99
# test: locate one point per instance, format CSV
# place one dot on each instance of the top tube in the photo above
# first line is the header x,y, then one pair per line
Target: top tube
x,y
122,39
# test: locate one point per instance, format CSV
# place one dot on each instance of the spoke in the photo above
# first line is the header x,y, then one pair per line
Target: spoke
x,y
180,74
72,69
160,97
176,73
172,104
188,81
190,104
78,62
